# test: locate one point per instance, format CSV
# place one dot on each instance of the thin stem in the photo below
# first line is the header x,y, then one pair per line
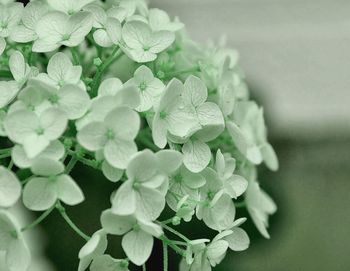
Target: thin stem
x,y
87,162
165,256
71,164
171,244
63,213
10,166
39,219
116,54
75,55
168,221
144,267
177,73
240,204
183,237
5,155
6,74
7,150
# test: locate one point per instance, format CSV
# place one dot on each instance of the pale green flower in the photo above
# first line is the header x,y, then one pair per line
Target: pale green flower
x,y
57,28
111,94
238,239
54,151
10,15
196,258
130,6
94,248
185,209
34,132
159,20
107,263
70,99
32,13
259,206
234,185
141,44
217,211
137,241
67,6
61,72
41,193
139,195
107,24
115,136
248,132
2,45
10,188
11,241
173,115
183,183
150,88
113,174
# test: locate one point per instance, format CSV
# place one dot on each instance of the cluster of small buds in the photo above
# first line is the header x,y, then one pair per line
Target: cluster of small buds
x,y
119,87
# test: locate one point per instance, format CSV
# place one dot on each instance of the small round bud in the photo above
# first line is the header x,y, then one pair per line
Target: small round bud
x,y
176,220
97,62
160,74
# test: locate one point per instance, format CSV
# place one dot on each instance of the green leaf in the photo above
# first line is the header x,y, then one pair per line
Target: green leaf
x,y
10,188
138,246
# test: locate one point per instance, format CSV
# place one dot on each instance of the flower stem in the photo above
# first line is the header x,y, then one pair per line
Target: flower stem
x,y
183,237
240,204
144,267
71,164
6,74
39,219
181,72
171,244
116,54
165,256
63,213
75,55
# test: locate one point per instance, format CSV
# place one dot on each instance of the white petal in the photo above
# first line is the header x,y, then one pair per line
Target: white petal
x,y
68,191
142,166
54,122
39,194
8,91
110,86
117,224
238,240
2,45
270,157
150,203
119,152
124,201
18,256
138,246
196,92
102,38
10,188
197,155
169,160
93,136
44,166
18,66
111,173
114,30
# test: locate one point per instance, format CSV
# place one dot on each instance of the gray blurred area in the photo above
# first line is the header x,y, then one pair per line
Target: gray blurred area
x,y
296,55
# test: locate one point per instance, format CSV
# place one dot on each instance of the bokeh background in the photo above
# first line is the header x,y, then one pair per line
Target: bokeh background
x,y
296,57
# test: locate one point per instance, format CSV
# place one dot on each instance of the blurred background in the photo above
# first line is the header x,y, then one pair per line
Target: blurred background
x,y
296,57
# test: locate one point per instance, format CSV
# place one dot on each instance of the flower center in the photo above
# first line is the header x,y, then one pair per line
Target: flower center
x,y
65,37
110,134
39,131
163,114
146,48
143,86
54,99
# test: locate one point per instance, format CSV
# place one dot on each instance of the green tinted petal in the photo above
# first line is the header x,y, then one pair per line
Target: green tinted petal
x,y
44,166
10,188
119,152
169,160
138,246
54,122
142,166
195,92
117,224
197,155
18,256
150,203
93,136
238,240
68,191
124,201
111,173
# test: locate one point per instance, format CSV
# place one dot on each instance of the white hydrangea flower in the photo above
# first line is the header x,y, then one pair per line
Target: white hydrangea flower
x,y
41,193
10,188
234,185
150,88
34,132
20,70
108,25
54,151
61,72
173,115
139,194
130,6
94,248
9,90
248,131
160,20
137,241
115,136
18,257
32,13
141,44
57,28
259,206
2,45
238,239
218,211
10,16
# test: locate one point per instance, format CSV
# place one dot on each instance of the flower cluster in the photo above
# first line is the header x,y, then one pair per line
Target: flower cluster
x,y
120,87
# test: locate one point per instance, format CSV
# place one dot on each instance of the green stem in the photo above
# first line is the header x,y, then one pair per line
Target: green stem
x,y
10,166
63,213
71,164
181,72
116,54
6,151
165,256
75,55
240,204
39,219
5,155
6,74
144,267
183,237
170,243
85,161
